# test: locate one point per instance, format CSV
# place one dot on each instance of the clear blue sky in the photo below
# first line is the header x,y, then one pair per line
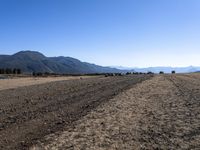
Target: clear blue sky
x,y
106,32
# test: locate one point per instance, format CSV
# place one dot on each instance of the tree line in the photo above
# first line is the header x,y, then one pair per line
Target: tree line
x,y
10,71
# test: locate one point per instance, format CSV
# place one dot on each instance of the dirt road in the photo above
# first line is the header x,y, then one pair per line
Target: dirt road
x,y
160,113
29,113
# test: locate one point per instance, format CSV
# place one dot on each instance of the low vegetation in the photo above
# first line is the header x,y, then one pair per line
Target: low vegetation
x,y
10,71
161,72
45,74
173,72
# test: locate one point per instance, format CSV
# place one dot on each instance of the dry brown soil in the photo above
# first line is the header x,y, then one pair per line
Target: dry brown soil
x,y
29,113
160,113
20,82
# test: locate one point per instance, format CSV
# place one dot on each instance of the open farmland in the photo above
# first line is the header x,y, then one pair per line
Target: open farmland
x,y
29,113
127,112
12,83
159,113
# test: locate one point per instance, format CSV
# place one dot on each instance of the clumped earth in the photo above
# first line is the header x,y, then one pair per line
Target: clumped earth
x,y
28,114
15,82
160,113
128,112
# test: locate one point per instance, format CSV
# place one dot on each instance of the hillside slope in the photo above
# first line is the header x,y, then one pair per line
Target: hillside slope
x,y
32,61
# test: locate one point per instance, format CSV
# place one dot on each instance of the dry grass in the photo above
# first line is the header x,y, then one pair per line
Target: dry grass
x,y
20,82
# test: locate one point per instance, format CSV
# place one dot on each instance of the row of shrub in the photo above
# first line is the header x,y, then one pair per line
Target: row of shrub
x,y
88,74
161,72
127,73
10,71
94,74
173,72
40,74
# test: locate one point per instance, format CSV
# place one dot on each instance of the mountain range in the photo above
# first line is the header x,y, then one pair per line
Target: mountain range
x,y
33,61
188,69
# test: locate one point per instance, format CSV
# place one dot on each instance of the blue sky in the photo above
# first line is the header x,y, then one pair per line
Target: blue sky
x,y
128,33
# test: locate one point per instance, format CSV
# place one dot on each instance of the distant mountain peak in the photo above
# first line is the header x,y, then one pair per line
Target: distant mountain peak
x,y
32,61
30,54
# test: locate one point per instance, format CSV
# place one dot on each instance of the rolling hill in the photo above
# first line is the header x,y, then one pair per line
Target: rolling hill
x,y
33,61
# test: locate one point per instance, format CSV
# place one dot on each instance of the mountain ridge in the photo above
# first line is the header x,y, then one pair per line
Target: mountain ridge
x,y
34,61
188,69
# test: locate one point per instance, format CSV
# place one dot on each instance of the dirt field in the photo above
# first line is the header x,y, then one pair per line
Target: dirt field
x,y
160,113
20,82
28,114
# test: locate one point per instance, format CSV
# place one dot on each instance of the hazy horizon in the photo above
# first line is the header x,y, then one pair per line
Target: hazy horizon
x,y
114,66
109,33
